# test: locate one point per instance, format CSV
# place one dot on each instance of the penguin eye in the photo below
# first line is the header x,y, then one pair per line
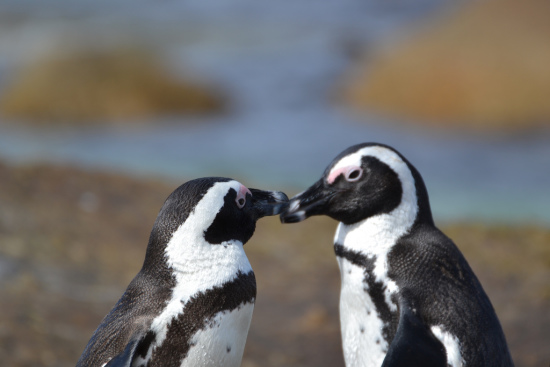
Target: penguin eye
x,y
240,202
354,174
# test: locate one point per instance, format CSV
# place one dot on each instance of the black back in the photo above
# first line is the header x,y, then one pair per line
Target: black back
x,y
436,281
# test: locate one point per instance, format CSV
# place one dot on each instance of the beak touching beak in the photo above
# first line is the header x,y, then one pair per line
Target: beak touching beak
x,y
308,203
268,203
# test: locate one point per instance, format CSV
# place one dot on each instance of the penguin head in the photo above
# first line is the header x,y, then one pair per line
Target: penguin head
x,y
215,209
364,181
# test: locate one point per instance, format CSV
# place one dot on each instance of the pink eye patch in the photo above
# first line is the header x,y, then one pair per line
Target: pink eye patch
x,y
243,191
335,173
241,196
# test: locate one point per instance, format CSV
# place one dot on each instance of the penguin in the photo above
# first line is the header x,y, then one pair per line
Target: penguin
x,y
408,296
191,303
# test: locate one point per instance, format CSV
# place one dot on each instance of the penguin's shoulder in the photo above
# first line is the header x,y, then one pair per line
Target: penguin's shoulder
x,y
446,295
143,300
137,345
432,256
126,326
440,269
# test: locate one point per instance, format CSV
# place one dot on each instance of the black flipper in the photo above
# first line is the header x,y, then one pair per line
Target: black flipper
x,y
125,358
414,345
139,344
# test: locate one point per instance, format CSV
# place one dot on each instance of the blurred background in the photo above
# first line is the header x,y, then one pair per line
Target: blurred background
x,y
107,106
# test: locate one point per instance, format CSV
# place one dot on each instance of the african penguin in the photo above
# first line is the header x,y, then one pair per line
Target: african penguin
x,y
408,296
191,304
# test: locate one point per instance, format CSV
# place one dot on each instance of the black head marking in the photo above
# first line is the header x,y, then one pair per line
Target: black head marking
x,y
378,191
237,218
232,222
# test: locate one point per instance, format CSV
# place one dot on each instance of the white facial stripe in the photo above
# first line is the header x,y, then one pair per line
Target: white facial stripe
x,y
197,265
385,155
191,232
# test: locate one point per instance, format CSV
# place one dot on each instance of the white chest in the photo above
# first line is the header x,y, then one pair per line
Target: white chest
x,y
361,326
222,342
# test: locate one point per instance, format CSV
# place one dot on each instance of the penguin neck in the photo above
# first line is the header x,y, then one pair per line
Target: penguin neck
x,y
369,237
197,257
185,262
197,265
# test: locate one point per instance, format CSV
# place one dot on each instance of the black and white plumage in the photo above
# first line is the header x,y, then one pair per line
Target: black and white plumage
x,y
408,296
191,304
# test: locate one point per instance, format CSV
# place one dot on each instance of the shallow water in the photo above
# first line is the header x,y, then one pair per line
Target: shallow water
x,y
279,62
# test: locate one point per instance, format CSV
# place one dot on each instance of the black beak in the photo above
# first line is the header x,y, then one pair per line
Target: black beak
x,y
308,203
268,202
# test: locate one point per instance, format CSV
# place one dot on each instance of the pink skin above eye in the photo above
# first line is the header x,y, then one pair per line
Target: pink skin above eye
x,y
344,170
242,195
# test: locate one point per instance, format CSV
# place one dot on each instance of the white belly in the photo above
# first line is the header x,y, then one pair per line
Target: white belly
x,y
361,327
222,342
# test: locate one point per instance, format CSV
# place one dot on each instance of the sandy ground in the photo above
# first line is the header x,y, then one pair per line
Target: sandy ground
x,y
71,240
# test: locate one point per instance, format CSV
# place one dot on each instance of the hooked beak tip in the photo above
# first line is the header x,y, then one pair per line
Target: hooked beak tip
x,y
280,197
293,217
293,213
279,208
313,201
269,202
281,201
